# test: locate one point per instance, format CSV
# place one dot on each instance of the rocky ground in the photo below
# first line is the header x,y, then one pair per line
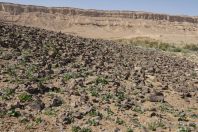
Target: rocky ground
x,y
55,82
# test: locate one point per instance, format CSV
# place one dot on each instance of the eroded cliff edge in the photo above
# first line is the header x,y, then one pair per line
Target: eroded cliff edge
x,y
16,9
104,24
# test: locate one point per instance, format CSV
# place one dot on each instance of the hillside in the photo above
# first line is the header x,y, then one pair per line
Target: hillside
x,y
104,24
56,82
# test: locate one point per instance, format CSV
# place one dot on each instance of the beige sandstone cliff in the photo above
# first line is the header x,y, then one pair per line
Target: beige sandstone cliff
x,y
104,24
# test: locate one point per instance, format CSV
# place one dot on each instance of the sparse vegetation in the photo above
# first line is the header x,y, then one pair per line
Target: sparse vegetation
x,y
68,76
86,130
107,97
52,80
24,97
94,112
138,109
13,113
92,122
154,125
184,129
148,43
75,129
109,111
50,112
129,130
191,47
78,129
24,120
119,121
101,80
120,95
7,93
38,120
194,116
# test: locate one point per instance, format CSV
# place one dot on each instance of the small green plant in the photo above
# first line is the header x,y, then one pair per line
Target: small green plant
x,y
50,112
193,125
94,112
42,79
101,80
119,121
194,116
109,111
13,113
30,72
7,93
86,130
94,91
129,130
184,129
164,107
78,129
136,122
38,120
154,125
182,116
75,129
92,122
67,76
107,97
138,109
12,71
24,97
120,95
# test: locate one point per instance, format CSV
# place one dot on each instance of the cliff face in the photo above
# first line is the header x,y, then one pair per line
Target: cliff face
x,y
104,24
15,9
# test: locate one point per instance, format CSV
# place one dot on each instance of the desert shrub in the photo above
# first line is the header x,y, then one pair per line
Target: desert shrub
x,y
25,97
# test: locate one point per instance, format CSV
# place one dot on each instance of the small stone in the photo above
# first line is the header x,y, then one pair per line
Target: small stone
x,y
78,115
37,105
117,129
32,90
43,89
127,104
84,98
153,114
188,95
17,105
155,98
95,100
66,118
57,101
165,87
90,80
